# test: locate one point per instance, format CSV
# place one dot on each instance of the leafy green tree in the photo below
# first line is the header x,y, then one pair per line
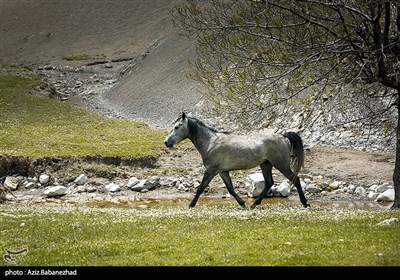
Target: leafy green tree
x,y
260,59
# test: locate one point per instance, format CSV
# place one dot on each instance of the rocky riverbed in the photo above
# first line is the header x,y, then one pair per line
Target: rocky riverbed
x,y
178,172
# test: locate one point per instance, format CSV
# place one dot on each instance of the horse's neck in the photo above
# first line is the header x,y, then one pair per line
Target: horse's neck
x,y
201,139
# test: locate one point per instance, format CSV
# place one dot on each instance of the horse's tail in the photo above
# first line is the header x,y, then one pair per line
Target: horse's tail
x,y
297,149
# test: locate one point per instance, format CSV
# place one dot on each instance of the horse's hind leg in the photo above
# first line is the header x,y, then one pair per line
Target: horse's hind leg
x,y
296,182
266,169
208,176
228,183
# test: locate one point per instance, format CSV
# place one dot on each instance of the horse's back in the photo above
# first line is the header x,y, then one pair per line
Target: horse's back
x,y
235,152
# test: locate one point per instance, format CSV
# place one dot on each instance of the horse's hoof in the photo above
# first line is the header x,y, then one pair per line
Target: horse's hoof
x,y
253,206
306,205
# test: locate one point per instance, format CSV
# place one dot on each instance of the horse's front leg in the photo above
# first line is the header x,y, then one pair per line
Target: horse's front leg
x,y
208,176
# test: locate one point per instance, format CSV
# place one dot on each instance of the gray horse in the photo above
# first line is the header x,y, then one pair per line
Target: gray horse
x,y
223,152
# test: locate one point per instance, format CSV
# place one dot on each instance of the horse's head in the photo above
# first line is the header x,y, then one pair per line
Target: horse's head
x,y
178,133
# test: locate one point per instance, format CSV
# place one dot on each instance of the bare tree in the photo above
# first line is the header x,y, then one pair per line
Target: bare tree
x,y
260,59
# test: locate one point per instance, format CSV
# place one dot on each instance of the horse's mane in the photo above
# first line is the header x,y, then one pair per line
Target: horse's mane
x,y
201,123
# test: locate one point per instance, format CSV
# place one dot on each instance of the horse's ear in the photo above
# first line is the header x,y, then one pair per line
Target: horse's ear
x,y
183,116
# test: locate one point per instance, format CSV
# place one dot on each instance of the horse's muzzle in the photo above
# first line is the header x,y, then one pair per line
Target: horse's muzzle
x,y
169,145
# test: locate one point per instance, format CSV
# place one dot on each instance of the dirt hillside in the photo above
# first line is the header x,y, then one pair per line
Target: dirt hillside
x,y
44,32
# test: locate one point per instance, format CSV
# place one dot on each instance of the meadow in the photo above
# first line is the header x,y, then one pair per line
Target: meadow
x,y
272,235
37,126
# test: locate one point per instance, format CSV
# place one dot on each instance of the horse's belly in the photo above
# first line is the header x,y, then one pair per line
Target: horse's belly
x,y
241,162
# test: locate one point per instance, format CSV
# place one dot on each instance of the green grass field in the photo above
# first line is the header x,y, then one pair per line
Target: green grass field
x,y
273,235
34,126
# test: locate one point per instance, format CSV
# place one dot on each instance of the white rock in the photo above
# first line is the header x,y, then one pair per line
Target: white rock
x,y
139,186
359,190
55,191
31,185
284,188
152,182
386,196
351,188
388,222
81,180
44,179
182,187
373,195
256,183
11,183
373,188
112,187
336,184
132,182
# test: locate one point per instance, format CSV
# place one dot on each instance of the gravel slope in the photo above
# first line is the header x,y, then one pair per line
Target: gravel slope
x,y
155,90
